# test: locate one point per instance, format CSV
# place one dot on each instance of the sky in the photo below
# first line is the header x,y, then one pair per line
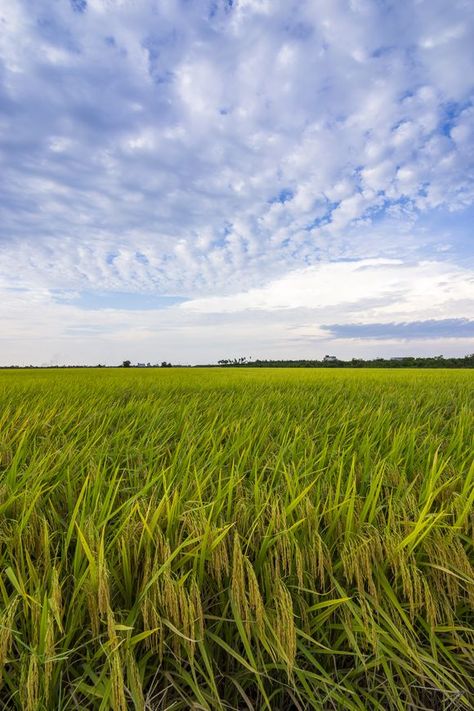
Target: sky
x,y
190,180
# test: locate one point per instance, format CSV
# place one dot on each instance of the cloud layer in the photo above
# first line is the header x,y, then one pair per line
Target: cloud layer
x,y
237,155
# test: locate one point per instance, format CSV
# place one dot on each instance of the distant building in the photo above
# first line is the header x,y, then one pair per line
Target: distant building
x,y
401,358
329,359
141,365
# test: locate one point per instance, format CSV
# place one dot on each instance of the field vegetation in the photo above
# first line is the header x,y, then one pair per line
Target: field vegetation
x,y
236,539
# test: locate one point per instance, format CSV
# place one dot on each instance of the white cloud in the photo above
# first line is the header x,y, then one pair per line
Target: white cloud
x,y
147,147
377,289
289,317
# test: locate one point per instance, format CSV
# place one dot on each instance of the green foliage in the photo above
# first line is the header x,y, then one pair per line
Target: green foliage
x,y
251,539
404,362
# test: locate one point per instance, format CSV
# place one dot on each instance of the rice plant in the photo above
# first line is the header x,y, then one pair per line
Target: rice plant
x,y
236,539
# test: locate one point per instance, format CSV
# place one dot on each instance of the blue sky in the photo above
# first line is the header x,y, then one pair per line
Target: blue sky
x,y
189,181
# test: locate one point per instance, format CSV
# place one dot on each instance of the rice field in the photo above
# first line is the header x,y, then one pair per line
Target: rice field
x,y
236,539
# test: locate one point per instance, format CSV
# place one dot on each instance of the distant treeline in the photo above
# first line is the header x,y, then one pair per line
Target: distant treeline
x,y
327,362
408,362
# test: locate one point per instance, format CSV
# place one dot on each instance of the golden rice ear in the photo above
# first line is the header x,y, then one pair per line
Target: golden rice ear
x,y
46,545
418,592
238,579
198,616
55,600
461,562
257,608
285,629
49,652
299,566
119,701
111,631
103,592
134,682
370,628
219,565
152,623
93,608
7,619
30,687
184,621
429,604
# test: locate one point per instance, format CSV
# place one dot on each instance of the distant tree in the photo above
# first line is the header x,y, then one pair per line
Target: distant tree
x,y
126,364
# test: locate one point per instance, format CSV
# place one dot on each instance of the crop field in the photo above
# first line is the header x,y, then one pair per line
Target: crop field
x,y
236,539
